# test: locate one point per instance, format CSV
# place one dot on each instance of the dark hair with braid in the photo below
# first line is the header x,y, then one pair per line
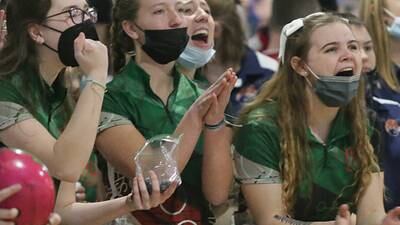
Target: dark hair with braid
x,y
121,42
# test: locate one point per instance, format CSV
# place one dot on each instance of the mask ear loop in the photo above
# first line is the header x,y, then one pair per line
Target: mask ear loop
x,y
142,30
312,73
389,13
136,25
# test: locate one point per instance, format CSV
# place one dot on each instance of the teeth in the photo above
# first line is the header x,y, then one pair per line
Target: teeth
x,y
347,69
205,32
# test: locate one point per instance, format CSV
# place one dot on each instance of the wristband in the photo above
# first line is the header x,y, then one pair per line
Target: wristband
x,y
95,82
215,126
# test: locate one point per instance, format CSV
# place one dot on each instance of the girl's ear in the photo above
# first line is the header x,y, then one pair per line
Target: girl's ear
x,y
35,33
297,65
130,29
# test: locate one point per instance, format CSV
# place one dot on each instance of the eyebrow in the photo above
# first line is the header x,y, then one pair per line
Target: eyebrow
x,y
368,42
205,5
336,43
157,4
352,41
185,2
330,43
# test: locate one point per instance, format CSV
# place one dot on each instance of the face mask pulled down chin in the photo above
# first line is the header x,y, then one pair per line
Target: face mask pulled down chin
x,y
194,58
335,91
65,50
164,46
394,28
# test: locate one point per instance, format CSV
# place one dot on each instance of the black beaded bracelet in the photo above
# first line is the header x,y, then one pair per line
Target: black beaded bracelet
x,y
215,126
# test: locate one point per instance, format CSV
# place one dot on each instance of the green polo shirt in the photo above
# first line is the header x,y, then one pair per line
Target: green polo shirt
x,y
258,156
25,95
130,100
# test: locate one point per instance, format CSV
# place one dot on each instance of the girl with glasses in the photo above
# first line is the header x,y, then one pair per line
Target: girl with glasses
x,y
45,37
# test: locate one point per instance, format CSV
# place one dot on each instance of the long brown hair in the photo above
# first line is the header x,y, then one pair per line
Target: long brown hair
x,y
230,46
371,12
288,89
19,49
121,42
20,54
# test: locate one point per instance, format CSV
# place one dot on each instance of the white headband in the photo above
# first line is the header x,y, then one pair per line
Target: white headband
x,y
288,30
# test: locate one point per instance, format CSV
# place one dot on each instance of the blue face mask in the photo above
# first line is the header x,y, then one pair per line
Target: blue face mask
x,y
394,28
193,57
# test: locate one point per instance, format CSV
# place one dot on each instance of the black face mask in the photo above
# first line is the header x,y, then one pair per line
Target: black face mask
x,y
66,42
165,46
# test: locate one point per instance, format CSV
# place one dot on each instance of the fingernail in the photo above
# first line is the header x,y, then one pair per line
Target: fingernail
x,y
14,212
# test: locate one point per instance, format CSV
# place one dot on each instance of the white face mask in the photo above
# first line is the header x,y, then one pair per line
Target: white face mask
x,y
394,28
193,57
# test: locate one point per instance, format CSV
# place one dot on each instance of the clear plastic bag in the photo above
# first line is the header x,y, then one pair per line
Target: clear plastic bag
x,y
158,155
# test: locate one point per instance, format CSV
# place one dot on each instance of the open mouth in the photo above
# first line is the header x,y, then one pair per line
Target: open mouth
x,y
348,72
200,37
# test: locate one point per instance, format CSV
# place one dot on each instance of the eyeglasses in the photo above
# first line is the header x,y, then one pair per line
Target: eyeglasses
x,y
78,15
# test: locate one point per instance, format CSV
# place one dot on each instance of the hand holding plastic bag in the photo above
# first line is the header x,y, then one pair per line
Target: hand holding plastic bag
x,y
158,155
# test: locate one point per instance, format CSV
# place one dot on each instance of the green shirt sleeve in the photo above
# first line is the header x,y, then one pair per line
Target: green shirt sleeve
x,y
9,93
257,152
12,110
114,112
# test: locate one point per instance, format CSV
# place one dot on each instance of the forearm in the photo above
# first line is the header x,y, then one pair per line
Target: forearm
x,y
323,223
370,209
217,171
87,213
191,129
97,213
280,220
73,147
374,218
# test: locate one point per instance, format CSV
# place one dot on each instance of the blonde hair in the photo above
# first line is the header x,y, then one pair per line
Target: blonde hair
x,y
292,117
371,12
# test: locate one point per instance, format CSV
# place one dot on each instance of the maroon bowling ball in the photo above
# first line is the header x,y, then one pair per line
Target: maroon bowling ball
x,y
35,201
